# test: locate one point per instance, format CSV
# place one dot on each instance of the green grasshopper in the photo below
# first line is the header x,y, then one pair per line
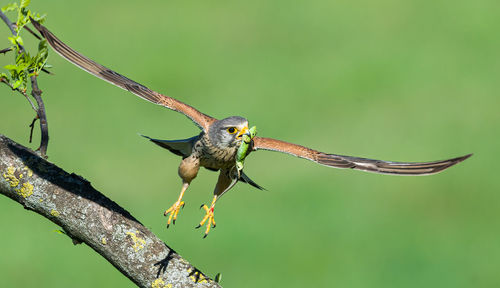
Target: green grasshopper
x,y
241,154
243,149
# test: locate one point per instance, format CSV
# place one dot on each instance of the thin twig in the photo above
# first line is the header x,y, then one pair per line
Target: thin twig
x,y
3,80
7,21
37,94
32,126
32,33
47,71
3,51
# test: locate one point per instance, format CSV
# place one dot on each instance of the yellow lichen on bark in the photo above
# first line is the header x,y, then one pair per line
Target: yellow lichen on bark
x,y
138,242
158,283
26,190
11,177
197,276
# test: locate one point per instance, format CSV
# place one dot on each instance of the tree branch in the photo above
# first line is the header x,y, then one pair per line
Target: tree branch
x,y
36,93
87,216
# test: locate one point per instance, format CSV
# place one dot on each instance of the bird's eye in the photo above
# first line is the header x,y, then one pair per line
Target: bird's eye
x,y
231,130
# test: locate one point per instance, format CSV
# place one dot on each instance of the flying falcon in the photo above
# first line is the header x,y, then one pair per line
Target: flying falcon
x,y
216,147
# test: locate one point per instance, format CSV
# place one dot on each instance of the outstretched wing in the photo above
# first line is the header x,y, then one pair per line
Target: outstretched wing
x,y
202,120
370,165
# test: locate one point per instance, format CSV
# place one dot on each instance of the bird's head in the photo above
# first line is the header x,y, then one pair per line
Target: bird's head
x,y
228,132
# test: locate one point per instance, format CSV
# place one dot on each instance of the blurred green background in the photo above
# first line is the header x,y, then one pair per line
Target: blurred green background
x,y
395,80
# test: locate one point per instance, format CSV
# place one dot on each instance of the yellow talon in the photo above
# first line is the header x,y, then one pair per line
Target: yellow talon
x,y
173,211
209,217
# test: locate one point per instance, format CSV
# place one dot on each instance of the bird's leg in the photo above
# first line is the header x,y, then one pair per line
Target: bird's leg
x,y
174,209
209,216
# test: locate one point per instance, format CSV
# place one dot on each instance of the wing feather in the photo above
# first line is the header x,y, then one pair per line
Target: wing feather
x,y
100,71
364,164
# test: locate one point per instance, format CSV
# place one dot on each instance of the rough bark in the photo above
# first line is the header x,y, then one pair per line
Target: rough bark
x,y
89,217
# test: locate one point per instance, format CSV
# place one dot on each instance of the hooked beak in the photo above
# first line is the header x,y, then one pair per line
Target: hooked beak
x,y
242,132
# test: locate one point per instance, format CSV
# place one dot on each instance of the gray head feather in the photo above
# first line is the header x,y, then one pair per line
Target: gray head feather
x,y
219,134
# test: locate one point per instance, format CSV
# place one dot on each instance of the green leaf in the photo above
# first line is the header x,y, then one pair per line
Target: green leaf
x,y
218,277
22,66
42,46
9,7
38,18
10,67
25,3
12,40
19,40
17,84
16,40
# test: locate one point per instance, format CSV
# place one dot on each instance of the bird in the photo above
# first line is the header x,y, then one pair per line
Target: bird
x,y
215,148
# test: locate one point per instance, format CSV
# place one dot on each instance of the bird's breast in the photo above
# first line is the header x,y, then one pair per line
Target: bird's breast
x,y
214,157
